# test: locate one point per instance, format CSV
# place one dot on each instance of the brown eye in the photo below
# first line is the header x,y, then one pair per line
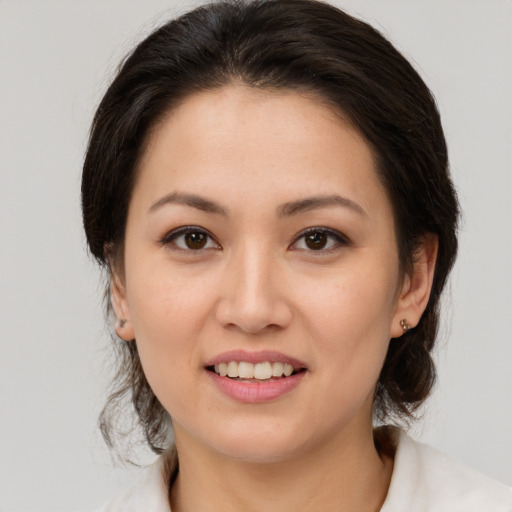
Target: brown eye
x,y
196,240
321,240
190,238
316,241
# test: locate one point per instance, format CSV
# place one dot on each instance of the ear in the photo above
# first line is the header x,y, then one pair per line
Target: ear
x,y
124,326
415,290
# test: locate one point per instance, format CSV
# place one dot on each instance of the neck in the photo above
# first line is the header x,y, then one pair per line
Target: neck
x,y
346,474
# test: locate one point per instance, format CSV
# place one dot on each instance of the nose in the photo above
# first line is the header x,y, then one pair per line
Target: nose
x,y
252,296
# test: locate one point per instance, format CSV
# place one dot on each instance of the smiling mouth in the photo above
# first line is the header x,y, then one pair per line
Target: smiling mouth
x,y
255,372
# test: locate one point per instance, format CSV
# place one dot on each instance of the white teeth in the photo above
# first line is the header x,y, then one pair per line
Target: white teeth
x,y
232,369
260,371
221,369
288,369
277,369
245,370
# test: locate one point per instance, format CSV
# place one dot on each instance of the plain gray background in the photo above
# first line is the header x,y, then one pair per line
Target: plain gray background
x,y
56,59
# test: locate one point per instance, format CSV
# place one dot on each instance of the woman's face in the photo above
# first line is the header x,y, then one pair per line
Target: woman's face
x,y
259,233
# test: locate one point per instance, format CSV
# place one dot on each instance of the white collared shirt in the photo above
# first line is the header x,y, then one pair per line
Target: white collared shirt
x,y
423,480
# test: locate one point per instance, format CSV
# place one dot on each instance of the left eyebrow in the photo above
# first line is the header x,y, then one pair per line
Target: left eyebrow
x,y
313,203
192,200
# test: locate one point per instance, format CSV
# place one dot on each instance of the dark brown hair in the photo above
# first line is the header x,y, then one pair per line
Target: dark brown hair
x,y
304,45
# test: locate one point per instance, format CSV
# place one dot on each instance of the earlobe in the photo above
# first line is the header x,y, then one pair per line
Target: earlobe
x,y
404,324
124,327
416,288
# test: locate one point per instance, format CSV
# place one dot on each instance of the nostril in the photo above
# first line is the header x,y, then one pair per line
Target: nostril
x,y
253,312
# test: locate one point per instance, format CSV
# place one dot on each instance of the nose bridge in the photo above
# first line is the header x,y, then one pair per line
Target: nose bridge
x,y
252,299
254,264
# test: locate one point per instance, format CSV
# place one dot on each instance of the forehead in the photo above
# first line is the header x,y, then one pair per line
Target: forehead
x,y
242,144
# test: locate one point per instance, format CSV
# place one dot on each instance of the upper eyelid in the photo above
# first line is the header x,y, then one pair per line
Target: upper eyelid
x,y
183,230
319,229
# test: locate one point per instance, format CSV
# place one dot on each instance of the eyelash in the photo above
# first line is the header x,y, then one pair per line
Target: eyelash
x,y
340,240
171,237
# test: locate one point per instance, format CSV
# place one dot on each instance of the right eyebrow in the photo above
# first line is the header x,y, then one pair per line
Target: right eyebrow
x,y
192,200
312,203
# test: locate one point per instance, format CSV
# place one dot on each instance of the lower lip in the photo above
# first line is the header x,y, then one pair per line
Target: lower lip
x,y
256,392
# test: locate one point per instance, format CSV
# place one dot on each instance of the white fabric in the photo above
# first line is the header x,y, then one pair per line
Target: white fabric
x,y
424,480
152,493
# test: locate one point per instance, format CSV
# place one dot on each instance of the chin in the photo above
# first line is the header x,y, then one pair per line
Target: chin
x,y
261,446
258,453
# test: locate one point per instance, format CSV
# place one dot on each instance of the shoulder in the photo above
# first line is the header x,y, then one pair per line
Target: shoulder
x,y
426,480
151,494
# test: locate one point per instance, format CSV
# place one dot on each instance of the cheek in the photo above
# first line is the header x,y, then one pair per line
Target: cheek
x,y
350,317
163,298
351,330
168,311
352,302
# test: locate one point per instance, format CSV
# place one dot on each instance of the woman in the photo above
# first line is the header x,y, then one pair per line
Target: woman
x,y
267,184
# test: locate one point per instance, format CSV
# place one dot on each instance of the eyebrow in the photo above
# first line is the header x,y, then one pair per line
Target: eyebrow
x,y
313,203
285,210
198,202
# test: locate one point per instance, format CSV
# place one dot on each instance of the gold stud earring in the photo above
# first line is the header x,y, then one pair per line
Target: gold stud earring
x,y
405,325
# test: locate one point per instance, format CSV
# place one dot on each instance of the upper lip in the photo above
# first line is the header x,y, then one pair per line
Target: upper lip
x,y
255,357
